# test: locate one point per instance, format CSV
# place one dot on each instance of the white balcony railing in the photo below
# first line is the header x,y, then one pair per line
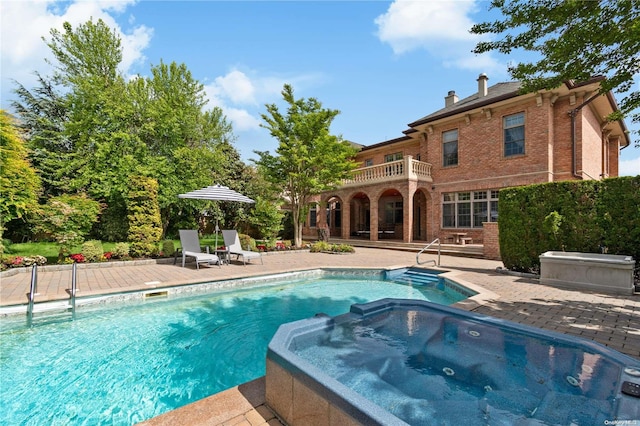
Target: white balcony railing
x,y
407,168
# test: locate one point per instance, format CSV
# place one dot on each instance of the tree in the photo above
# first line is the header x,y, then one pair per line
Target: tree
x,y
19,183
309,159
145,227
67,219
576,40
90,129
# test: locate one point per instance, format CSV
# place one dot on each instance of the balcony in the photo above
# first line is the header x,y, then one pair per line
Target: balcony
x,y
405,169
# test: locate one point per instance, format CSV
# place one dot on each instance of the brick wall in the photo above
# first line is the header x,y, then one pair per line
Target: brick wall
x,y
482,164
491,241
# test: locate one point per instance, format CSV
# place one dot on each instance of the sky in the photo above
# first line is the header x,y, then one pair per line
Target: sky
x,y
382,64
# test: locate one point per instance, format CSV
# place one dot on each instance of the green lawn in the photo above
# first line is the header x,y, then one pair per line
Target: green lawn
x,y
50,249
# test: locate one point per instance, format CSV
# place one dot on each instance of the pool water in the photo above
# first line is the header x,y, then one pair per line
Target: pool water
x,y
122,365
430,364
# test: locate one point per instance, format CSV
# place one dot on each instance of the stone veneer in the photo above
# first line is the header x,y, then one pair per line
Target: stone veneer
x,y
298,405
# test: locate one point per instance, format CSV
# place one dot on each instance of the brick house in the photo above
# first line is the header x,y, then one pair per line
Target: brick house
x,y
443,176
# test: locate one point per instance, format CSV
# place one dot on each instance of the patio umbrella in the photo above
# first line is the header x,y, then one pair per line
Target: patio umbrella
x,y
216,193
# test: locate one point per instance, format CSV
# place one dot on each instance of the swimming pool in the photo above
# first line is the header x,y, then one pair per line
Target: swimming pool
x,y
399,362
128,362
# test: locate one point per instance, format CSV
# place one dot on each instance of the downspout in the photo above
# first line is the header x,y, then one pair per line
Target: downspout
x,y
573,113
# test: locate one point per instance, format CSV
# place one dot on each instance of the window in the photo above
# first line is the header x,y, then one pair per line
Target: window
x,y
393,157
368,162
513,134
464,210
450,148
313,219
393,212
469,209
449,210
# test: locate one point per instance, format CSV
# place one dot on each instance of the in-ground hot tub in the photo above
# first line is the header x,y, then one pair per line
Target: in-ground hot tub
x,y
397,361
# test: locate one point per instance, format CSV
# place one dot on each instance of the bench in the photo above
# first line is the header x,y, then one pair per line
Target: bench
x,y
466,240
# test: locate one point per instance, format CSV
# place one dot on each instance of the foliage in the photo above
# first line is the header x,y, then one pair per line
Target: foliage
x,y
120,251
67,219
246,242
18,180
576,40
93,251
90,129
324,246
618,215
551,226
573,216
308,160
168,249
320,246
112,227
22,261
145,228
267,217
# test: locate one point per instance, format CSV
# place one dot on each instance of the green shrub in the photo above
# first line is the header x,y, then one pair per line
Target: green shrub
x,y
323,246
343,248
67,219
320,246
247,242
92,251
168,249
121,250
573,216
145,226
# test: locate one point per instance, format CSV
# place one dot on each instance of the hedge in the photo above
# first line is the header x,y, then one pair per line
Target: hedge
x,y
582,216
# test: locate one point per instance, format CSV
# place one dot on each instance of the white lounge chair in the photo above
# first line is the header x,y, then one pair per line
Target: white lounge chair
x,y
191,247
232,242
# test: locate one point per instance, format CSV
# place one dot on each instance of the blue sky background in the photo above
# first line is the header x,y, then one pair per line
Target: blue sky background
x,y
382,64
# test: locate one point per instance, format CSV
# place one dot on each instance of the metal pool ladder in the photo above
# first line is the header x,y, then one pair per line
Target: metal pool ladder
x,y
437,240
54,306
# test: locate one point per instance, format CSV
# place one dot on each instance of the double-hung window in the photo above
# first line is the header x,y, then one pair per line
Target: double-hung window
x,y
450,148
513,134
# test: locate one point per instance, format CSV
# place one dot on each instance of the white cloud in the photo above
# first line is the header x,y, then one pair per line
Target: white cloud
x,y
439,27
24,23
629,167
242,119
242,94
237,86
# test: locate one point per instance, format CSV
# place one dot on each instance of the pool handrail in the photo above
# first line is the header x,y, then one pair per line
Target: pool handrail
x,y
33,289
437,240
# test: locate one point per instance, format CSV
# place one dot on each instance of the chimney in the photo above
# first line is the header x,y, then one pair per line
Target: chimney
x,y
482,85
450,99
